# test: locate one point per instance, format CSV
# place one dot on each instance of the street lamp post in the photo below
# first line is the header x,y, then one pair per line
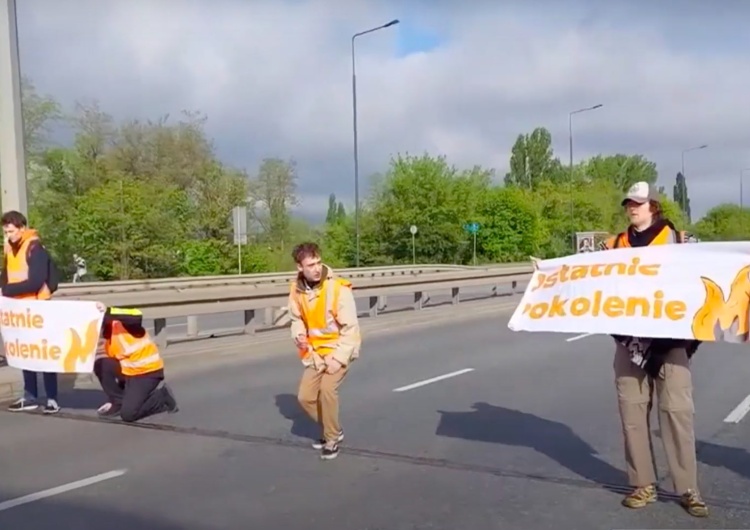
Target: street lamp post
x,y
356,154
687,151
12,153
570,162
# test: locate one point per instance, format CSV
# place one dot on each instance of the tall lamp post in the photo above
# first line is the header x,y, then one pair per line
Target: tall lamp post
x,y
356,154
12,153
687,151
570,162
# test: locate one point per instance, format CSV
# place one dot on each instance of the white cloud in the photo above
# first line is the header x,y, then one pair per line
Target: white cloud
x,y
274,79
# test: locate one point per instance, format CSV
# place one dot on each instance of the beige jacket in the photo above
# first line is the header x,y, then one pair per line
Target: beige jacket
x,y
350,340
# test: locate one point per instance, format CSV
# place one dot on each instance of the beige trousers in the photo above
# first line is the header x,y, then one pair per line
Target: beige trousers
x,y
319,396
635,391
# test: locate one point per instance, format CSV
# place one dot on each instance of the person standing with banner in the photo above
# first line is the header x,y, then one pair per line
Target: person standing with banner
x,y
642,365
27,274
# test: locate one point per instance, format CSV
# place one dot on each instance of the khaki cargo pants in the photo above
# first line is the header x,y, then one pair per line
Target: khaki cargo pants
x,y
674,393
319,397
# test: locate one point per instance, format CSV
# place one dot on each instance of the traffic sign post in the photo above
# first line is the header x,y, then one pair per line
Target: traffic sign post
x,y
473,228
239,227
413,230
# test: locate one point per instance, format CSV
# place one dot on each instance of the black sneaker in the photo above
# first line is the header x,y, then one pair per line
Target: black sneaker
x,y
319,444
23,405
51,407
330,452
169,399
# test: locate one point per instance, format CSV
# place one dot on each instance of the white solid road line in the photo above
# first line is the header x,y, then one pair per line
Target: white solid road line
x,y
432,380
7,505
579,337
739,411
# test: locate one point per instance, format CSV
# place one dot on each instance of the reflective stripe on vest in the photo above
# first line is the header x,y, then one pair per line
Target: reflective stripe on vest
x,y
320,320
137,356
17,267
665,237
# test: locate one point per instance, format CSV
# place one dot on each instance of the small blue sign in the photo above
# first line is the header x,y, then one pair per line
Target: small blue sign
x,y
472,228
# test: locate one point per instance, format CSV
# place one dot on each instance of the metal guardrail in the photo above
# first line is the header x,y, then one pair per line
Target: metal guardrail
x,y
158,286
270,299
83,289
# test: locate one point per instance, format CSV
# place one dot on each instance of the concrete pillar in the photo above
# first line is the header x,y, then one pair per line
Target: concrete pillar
x,y
12,154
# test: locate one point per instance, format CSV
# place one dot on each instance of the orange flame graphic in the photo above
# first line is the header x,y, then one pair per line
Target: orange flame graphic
x,y
79,350
724,320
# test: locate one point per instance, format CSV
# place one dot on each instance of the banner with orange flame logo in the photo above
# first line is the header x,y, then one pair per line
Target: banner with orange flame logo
x,y
697,291
50,336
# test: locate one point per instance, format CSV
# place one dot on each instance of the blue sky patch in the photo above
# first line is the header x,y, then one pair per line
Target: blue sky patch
x,y
414,39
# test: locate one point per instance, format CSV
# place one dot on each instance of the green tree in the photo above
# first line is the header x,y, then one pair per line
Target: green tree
x,y
532,160
40,113
336,212
130,229
726,222
274,191
680,195
512,228
621,170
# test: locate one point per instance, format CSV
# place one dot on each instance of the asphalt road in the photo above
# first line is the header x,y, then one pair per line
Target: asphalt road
x,y
222,322
528,439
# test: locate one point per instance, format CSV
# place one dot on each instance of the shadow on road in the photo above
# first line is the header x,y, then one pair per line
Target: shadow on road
x,y
733,459
500,425
54,513
82,399
302,425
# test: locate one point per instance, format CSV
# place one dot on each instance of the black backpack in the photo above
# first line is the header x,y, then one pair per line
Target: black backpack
x,y
53,274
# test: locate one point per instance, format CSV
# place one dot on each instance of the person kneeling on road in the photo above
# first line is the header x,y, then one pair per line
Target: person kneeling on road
x,y
131,371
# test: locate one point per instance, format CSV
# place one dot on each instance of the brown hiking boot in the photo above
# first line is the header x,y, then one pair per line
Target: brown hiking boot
x,y
693,503
640,497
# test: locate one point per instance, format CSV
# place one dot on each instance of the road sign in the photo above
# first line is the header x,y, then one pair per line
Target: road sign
x,y
472,228
413,229
239,224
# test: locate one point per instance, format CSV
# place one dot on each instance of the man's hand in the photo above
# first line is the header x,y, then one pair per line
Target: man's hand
x,y
301,342
332,366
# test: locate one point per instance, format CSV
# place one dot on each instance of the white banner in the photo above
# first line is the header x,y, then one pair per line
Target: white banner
x,y
50,335
682,291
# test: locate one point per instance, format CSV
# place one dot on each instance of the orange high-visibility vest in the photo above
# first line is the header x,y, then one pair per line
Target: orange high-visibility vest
x,y
137,356
17,267
320,318
665,237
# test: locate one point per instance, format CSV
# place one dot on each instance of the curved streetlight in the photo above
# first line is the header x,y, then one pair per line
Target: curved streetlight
x,y
570,162
354,111
687,151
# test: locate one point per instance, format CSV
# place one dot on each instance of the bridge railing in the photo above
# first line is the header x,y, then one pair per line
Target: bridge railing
x,y
83,289
264,306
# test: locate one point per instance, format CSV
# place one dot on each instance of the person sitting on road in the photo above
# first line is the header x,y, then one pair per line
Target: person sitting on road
x,y
131,371
643,364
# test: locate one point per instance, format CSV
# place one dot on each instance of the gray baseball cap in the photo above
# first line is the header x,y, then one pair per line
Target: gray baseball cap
x,y
641,192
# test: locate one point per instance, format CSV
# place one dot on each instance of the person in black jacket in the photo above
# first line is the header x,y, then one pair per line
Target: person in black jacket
x,y
643,365
25,274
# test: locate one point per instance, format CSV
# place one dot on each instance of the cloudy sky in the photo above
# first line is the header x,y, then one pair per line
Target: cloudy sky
x,y
461,79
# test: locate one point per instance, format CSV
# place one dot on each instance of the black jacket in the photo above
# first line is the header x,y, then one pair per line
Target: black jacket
x,y
658,347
